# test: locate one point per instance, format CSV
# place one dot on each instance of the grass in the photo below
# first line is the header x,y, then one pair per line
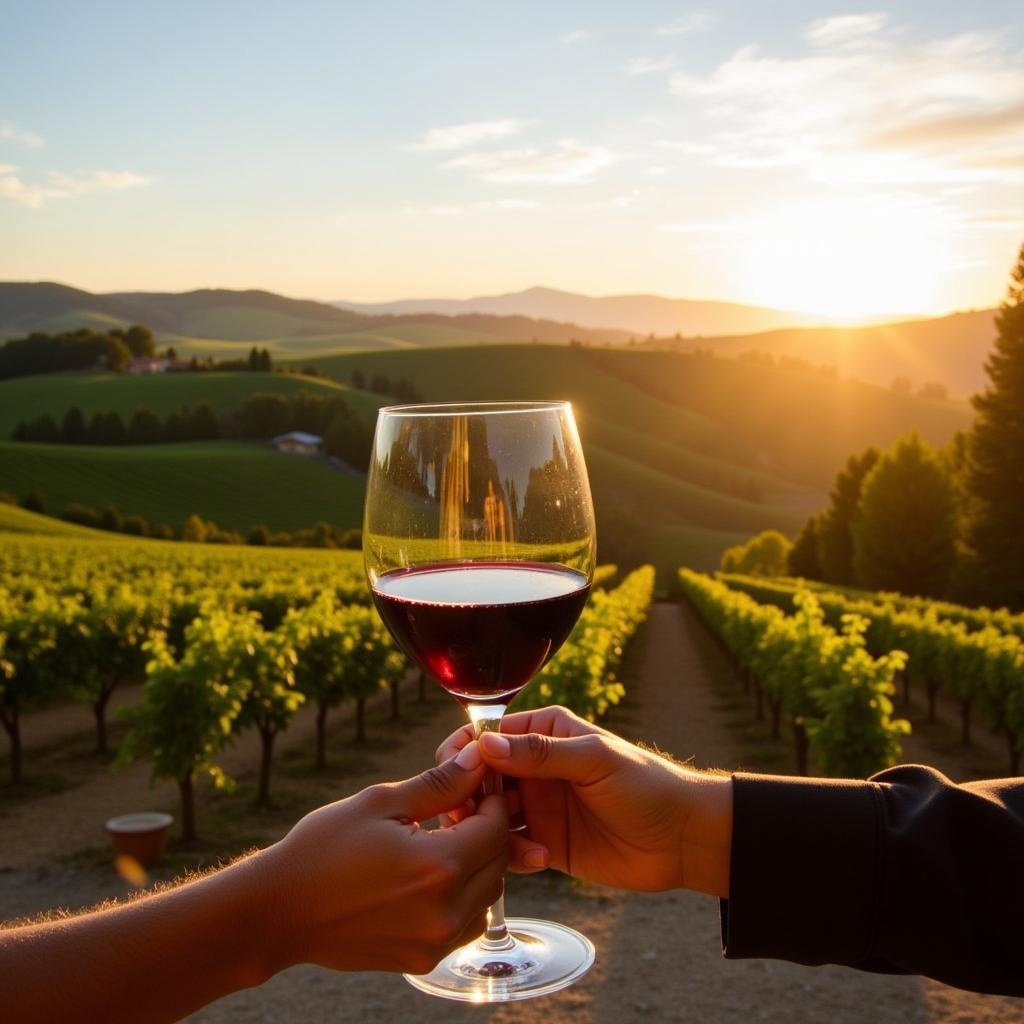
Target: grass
x,y
27,397
233,483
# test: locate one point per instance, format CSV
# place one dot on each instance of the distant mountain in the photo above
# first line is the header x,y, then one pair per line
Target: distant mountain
x,y
638,314
950,349
214,321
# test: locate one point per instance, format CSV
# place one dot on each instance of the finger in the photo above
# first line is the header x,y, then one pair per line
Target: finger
x,y
483,887
483,836
525,856
454,743
438,790
579,759
457,814
551,721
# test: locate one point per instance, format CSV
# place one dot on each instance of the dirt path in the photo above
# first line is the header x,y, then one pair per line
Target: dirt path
x,y
658,955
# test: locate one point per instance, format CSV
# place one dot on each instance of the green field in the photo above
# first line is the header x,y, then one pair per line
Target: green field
x,y
235,484
164,393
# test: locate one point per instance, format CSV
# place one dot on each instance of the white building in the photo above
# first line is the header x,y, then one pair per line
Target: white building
x,y
298,442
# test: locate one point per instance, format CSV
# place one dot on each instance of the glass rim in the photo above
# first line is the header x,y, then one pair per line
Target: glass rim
x,y
472,408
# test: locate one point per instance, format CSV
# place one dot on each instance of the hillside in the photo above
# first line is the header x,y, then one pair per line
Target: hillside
x,y
235,484
949,349
638,314
796,426
223,322
24,398
19,520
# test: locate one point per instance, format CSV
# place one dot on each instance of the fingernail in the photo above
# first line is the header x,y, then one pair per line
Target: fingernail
x,y
495,744
535,858
469,756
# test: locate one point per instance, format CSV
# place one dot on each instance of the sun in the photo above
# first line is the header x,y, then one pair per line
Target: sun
x,y
850,262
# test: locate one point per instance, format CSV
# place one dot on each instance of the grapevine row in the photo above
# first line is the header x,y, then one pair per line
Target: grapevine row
x,y
978,668
836,696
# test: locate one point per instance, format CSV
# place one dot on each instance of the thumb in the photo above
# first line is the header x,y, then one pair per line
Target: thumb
x,y
442,788
536,756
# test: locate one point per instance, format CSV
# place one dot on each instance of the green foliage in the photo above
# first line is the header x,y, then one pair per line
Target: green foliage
x,y
139,340
767,554
904,534
836,694
581,675
803,555
835,524
995,471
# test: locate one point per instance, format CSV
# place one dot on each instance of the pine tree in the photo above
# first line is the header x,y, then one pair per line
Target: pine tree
x,y
904,534
994,569
803,556
835,540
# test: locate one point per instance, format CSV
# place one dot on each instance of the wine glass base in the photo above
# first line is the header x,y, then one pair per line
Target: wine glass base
x,y
543,958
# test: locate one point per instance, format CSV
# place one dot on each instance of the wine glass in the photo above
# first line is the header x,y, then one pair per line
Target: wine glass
x,y
479,546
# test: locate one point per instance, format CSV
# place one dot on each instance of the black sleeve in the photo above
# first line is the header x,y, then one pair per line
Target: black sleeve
x,y
906,873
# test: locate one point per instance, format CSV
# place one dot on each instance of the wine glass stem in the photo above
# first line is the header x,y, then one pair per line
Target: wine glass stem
x,y
487,718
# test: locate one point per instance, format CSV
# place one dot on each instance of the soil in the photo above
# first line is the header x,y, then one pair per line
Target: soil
x,y
658,955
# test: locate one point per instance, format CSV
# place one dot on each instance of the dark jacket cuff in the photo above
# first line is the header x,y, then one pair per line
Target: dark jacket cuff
x,y
805,867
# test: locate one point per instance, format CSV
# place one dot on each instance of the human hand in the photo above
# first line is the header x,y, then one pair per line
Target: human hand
x,y
361,886
607,810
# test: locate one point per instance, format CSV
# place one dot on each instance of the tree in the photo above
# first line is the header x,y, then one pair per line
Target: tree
x,y
33,502
140,342
187,712
194,529
81,514
106,428
803,556
110,519
835,541
72,427
259,536
145,428
904,535
766,554
254,358
42,430
358,379
994,567
135,526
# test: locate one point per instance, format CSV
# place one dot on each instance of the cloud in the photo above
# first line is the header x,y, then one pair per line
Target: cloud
x,y
864,105
440,210
846,29
63,186
649,65
470,133
695,21
571,162
581,35
9,133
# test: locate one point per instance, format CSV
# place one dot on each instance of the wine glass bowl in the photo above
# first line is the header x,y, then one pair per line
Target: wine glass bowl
x,y
479,546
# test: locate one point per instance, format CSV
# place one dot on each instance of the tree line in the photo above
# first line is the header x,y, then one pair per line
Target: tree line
x,y
83,349
260,417
195,529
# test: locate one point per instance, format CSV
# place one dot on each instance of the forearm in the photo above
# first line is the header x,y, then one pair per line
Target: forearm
x,y
155,959
707,835
905,873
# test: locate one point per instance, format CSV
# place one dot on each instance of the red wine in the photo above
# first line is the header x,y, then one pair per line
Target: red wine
x,y
481,629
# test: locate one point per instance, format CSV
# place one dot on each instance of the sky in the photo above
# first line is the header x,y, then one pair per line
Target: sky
x,y
848,159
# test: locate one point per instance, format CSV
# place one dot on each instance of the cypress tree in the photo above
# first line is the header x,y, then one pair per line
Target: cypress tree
x,y
994,569
72,428
904,535
835,539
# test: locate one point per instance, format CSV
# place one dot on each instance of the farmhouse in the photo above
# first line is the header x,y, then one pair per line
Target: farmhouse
x,y
298,442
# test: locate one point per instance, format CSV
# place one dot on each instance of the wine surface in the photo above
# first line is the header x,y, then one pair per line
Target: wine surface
x,y
481,629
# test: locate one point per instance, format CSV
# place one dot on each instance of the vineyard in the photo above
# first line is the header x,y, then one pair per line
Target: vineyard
x,y
974,656
836,696
228,640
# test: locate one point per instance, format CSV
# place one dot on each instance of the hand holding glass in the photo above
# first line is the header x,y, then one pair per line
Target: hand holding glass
x,y
479,547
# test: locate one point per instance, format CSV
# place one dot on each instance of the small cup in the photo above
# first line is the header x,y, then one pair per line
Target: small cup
x,y
142,837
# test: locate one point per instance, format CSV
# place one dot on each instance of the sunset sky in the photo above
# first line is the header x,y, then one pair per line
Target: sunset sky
x,y
844,159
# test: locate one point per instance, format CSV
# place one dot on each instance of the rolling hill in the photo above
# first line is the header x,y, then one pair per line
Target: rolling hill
x,y
25,398
235,484
639,314
949,349
223,322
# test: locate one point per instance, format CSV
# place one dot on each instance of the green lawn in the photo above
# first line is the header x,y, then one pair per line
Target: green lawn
x,y
164,393
234,484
